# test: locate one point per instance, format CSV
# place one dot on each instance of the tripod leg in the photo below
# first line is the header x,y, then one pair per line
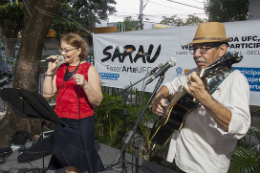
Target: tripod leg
x,y
137,160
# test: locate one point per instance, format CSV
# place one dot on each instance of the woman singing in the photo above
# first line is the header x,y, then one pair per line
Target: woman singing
x,y
77,84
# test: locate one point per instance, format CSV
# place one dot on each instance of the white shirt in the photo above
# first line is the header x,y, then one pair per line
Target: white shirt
x,y
201,145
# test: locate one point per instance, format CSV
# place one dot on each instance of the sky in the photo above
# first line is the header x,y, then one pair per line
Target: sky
x,y
155,9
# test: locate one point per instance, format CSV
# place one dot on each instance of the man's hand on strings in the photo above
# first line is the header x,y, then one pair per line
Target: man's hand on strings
x,y
197,87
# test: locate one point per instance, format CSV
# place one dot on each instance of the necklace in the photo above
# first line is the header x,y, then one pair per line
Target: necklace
x,y
68,75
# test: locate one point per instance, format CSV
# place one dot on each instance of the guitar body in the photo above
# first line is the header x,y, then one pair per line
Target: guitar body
x,y
164,128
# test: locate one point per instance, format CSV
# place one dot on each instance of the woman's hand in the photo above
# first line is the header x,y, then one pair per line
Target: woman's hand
x,y
80,80
52,64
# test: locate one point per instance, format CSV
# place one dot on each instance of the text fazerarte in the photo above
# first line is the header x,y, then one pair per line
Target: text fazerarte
x,y
128,69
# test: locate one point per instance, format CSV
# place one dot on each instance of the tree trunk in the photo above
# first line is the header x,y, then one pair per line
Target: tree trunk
x,y
35,29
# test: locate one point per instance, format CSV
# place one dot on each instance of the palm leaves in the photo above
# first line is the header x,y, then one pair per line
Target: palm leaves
x,y
110,118
244,161
245,158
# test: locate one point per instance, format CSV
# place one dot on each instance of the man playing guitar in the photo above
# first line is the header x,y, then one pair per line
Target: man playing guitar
x,y
211,130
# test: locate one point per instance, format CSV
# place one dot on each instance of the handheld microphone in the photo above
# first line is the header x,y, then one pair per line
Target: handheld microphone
x,y
52,60
170,63
154,69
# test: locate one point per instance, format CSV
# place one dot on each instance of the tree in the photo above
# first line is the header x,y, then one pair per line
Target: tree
x,y
80,15
91,11
176,21
62,23
226,11
36,25
128,24
194,20
173,21
11,22
37,19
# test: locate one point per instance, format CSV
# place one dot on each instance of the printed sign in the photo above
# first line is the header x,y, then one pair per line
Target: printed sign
x,y
253,77
124,58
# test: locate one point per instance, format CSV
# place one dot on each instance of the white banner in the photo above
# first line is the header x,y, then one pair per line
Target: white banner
x,y
124,58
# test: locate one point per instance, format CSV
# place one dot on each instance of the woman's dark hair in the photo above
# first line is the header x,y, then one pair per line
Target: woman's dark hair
x,y
76,41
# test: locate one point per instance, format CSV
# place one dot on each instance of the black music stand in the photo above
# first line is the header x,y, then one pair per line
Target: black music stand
x,y
31,105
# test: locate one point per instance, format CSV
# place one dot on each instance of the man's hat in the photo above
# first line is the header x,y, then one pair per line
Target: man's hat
x,y
210,32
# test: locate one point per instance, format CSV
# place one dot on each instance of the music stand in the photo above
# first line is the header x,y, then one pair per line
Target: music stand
x,y
32,105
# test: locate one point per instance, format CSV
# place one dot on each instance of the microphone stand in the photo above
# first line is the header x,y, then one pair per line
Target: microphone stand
x,y
125,95
127,138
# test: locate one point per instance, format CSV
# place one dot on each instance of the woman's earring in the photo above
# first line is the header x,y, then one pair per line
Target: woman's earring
x,y
77,58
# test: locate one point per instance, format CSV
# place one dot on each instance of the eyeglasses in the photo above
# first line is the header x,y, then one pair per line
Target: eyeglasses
x,y
201,49
66,50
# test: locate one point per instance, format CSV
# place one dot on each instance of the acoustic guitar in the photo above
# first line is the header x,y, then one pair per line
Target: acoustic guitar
x,y
174,115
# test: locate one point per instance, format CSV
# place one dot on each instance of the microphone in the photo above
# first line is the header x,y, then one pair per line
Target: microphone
x,y
170,63
52,60
154,69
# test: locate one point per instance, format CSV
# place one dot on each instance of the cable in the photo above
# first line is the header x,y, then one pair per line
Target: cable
x,y
80,133
186,4
132,160
24,170
27,9
57,2
169,7
198,2
81,27
20,170
53,15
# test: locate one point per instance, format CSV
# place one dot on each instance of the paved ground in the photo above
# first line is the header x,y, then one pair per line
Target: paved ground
x,y
107,154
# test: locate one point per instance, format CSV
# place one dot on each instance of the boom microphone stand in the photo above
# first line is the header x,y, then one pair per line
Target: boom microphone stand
x,y
130,134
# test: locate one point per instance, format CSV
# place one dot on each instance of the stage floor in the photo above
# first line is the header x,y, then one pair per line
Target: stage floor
x,y
107,154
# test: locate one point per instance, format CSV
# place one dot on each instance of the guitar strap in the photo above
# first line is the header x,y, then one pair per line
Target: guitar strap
x,y
218,79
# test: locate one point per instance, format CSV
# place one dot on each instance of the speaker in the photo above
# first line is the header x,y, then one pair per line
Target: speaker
x,y
35,151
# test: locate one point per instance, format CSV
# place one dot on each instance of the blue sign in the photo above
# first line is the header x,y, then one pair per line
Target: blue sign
x,y
109,76
253,77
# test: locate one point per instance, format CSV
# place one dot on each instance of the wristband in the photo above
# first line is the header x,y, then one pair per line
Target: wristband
x,y
48,74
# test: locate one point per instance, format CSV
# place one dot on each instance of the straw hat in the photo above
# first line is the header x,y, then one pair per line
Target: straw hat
x,y
210,32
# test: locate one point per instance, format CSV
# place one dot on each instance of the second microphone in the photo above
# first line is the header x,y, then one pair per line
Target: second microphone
x,y
170,63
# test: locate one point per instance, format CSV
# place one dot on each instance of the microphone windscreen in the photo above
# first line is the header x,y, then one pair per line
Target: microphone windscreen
x,y
59,63
60,57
